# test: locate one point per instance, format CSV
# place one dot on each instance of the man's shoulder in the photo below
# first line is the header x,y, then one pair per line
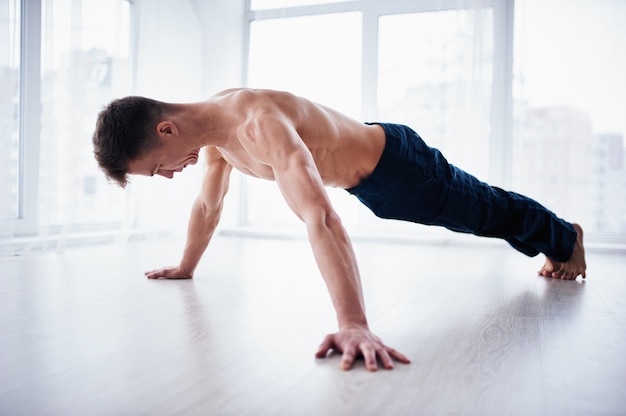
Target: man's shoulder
x,y
228,91
241,93
244,95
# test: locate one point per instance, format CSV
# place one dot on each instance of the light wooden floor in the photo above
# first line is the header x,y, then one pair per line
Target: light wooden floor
x,y
82,332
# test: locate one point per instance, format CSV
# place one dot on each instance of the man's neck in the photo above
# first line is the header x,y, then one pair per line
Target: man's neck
x,y
207,122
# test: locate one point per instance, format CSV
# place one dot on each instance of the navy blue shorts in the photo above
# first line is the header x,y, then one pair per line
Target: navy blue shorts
x,y
414,182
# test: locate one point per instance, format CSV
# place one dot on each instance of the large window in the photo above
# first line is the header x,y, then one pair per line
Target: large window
x,y
430,66
10,151
85,63
528,95
570,106
321,65
435,73
64,60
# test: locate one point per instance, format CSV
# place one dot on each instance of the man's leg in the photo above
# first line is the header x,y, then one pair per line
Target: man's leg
x,y
414,182
476,207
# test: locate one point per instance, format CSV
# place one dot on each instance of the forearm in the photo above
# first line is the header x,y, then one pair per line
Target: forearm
x,y
337,263
202,224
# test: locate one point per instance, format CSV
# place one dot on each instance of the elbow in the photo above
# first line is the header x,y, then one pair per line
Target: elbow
x,y
324,219
332,220
211,212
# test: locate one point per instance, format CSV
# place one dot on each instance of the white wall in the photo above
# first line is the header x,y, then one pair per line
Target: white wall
x,y
186,50
169,64
225,27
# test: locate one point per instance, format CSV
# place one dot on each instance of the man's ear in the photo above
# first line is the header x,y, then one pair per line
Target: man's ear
x,y
166,129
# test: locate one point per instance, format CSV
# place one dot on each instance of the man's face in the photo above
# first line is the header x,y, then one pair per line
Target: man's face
x,y
164,161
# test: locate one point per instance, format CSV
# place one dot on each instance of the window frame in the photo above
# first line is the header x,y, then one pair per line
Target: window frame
x,y
501,139
30,112
29,117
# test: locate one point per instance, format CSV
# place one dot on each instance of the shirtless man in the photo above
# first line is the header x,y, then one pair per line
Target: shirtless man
x,y
304,146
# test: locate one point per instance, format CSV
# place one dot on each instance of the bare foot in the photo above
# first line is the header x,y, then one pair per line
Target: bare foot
x,y
570,269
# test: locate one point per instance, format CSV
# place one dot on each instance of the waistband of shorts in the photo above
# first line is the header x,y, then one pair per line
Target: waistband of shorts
x,y
393,142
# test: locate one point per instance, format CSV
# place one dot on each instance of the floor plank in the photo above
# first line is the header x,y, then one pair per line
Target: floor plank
x,y
83,332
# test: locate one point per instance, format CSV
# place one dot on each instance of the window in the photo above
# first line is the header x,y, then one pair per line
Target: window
x,y
440,82
321,65
10,149
429,65
85,63
569,101
274,4
63,61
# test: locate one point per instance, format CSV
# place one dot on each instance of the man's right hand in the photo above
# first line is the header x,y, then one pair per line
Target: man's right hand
x,y
168,273
357,340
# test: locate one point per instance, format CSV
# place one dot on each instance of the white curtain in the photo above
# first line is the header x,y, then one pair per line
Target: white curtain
x,y
433,73
91,52
9,107
570,107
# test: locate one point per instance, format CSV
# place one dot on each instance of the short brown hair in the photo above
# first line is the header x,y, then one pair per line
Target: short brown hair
x,y
125,130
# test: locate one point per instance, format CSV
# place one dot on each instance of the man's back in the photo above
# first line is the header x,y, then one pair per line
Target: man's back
x,y
345,150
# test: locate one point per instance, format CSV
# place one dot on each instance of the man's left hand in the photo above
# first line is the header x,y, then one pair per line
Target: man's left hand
x,y
168,273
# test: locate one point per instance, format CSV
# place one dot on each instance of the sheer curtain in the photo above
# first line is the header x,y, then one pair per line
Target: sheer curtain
x,y
293,54
92,51
434,72
85,63
9,114
438,69
570,109
84,57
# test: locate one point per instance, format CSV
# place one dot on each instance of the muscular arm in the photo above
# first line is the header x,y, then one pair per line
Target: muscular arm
x,y
276,142
302,187
205,215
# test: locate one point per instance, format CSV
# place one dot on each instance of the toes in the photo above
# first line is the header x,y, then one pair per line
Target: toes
x,y
563,271
568,276
545,272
